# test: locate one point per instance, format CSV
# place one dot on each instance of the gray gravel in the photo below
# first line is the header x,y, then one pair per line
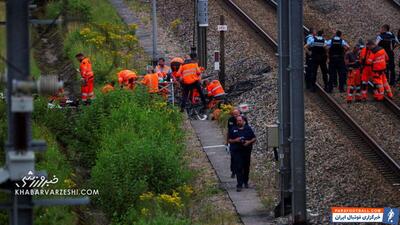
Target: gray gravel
x,y
381,123
337,174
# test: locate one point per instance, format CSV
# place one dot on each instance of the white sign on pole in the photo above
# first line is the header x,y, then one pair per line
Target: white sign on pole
x,y
216,66
222,27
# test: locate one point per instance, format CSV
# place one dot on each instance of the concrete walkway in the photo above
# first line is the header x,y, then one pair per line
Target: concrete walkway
x,y
143,33
247,202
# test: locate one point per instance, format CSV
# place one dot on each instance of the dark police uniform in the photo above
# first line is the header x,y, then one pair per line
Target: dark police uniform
x,y
336,63
241,154
318,57
387,41
231,124
308,63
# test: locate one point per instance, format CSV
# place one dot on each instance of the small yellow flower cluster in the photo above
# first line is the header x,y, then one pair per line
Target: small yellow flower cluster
x,y
146,196
173,199
226,108
69,183
145,211
186,190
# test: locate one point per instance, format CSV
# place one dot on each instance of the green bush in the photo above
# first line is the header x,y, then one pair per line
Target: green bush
x,y
132,217
140,150
75,9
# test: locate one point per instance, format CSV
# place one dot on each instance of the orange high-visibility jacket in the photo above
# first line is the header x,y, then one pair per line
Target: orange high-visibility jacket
x,y
107,88
189,72
125,75
86,69
378,59
151,82
162,72
215,89
364,55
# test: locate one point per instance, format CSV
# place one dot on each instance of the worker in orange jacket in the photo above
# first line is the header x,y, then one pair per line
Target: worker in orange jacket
x,y
108,87
175,65
214,89
352,63
150,80
87,78
124,76
189,76
163,70
366,71
378,59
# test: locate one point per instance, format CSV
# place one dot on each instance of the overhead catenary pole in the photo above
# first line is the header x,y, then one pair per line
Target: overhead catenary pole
x,y
202,18
222,52
154,19
19,126
284,106
297,112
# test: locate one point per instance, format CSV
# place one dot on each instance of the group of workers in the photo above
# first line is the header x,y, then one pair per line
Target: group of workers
x,y
370,62
183,73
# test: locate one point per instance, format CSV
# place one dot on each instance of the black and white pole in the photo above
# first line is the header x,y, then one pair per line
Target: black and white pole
x,y
297,112
284,109
19,107
202,21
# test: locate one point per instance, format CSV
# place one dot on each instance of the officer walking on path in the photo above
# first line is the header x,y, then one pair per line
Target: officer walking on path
x,y
241,138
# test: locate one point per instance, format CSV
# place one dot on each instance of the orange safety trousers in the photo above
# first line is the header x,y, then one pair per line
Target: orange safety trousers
x,y
365,77
353,85
381,86
87,90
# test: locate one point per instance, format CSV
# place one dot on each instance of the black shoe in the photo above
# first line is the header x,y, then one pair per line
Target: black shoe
x,y
233,175
238,189
342,90
246,185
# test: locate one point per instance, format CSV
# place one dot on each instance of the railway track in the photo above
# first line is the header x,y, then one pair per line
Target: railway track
x,y
385,164
396,2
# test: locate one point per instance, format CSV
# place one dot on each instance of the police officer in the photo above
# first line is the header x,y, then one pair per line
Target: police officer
x,y
337,47
318,59
241,139
311,35
387,41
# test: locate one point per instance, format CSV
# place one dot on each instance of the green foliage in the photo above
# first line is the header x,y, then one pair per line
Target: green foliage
x,y
73,9
159,219
140,150
3,129
108,45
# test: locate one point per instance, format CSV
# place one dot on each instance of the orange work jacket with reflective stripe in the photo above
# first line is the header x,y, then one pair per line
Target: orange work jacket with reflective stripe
x,y
189,73
215,89
125,75
151,82
378,59
364,55
107,88
85,69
